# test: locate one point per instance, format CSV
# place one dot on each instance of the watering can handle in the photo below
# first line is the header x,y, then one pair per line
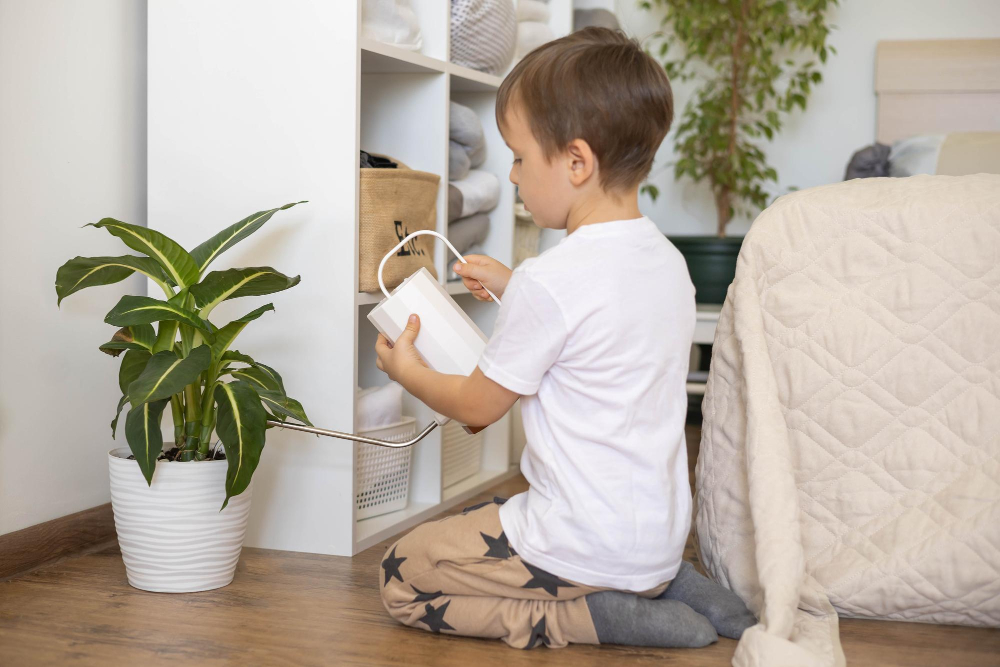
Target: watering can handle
x,y
421,232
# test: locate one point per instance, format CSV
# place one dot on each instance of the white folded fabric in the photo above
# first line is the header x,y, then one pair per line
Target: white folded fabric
x,y
532,10
391,22
531,35
480,192
379,406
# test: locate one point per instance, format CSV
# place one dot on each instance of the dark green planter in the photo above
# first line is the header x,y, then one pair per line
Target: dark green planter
x,y
711,262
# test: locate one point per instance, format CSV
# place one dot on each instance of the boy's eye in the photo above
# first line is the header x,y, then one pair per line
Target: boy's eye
x,y
517,160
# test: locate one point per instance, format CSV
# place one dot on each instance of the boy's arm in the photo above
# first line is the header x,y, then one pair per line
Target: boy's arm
x,y
475,400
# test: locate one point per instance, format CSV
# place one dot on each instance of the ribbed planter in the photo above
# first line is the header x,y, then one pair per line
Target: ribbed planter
x,y
173,537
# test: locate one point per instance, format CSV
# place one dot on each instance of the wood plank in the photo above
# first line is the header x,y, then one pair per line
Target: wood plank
x,y
939,65
902,115
35,546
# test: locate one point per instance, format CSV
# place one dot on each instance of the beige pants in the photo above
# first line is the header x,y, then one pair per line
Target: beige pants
x,y
459,575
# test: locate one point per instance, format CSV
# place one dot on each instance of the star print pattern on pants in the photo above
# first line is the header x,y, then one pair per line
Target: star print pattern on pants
x,y
434,618
423,596
498,546
391,565
464,577
538,634
549,583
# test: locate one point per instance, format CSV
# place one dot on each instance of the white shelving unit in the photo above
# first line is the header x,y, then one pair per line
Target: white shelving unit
x,y
253,104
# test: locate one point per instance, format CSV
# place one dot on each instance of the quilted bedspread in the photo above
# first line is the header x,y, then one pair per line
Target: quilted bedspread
x,y
850,456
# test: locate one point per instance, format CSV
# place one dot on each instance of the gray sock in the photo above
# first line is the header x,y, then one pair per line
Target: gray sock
x,y
624,618
721,606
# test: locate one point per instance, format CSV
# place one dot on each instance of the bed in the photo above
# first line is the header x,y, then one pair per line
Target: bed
x,y
850,453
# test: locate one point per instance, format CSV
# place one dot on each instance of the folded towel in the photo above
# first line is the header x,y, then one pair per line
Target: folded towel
x,y
454,203
464,125
465,233
477,155
391,22
531,35
480,192
532,10
379,406
458,161
598,18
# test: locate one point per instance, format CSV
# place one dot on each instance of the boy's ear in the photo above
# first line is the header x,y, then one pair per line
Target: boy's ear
x,y
581,162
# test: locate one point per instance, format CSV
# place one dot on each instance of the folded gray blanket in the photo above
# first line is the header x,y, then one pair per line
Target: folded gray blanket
x,y
458,161
465,128
465,233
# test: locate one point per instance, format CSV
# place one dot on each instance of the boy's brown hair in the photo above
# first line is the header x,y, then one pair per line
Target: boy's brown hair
x,y
600,86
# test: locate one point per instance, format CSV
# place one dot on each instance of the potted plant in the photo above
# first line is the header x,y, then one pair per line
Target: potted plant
x,y
181,510
754,61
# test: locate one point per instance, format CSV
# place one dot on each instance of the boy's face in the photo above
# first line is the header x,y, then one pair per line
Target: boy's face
x,y
544,185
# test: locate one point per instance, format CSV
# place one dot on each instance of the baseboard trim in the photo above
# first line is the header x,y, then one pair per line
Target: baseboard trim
x,y
32,547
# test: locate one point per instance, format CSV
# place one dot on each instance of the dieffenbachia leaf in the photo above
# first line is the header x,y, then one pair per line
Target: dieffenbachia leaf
x,y
133,363
205,253
218,286
282,406
114,422
235,355
225,336
132,310
166,374
138,337
263,378
175,260
142,430
241,424
81,272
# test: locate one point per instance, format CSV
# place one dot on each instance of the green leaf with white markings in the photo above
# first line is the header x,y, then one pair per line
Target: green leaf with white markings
x,y
205,253
175,260
166,374
235,356
82,272
282,406
142,430
133,363
261,377
138,337
225,336
132,310
241,425
219,286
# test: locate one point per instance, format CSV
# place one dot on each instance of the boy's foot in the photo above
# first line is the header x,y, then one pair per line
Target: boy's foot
x,y
625,618
721,606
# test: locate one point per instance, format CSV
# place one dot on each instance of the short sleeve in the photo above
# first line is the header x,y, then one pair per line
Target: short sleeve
x,y
528,336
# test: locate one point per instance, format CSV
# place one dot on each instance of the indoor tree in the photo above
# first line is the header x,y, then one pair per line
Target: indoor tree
x,y
755,62
185,361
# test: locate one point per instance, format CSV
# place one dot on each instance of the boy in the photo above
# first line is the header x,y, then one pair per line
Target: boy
x,y
593,337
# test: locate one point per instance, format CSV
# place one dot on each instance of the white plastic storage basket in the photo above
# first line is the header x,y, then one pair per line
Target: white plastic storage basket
x,y
461,453
383,473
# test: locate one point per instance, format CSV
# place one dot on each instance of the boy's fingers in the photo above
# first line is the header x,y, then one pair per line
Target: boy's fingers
x,y
411,330
378,364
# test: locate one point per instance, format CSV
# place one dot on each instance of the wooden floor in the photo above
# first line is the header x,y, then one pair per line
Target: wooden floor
x,y
301,609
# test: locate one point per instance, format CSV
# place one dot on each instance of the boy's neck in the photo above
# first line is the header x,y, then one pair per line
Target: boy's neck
x,y
603,207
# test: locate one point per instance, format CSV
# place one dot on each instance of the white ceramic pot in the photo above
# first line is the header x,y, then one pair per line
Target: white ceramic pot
x,y
173,537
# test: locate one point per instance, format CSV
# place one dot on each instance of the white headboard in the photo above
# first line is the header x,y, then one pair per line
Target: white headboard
x,y
937,86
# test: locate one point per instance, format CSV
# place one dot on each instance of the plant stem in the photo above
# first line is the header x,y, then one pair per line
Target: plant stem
x,y
722,196
192,421
177,410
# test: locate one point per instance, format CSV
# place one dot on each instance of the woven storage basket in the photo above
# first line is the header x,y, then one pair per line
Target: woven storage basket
x,y
461,453
383,473
392,204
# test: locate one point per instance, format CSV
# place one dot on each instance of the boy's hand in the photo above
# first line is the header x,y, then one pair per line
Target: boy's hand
x,y
482,270
396,359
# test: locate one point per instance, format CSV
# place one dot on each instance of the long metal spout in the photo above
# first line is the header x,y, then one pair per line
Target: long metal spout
x,y
354,436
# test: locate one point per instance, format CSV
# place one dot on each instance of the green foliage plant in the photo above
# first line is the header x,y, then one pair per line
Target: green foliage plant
x,y
755,62
174,355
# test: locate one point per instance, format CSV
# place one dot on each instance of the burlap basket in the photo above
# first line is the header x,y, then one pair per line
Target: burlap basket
x,y
394,203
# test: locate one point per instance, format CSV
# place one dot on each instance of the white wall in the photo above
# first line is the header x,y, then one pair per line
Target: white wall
x,y
814,147
72,150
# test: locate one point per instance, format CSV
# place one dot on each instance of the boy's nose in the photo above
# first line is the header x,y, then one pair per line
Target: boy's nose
x,y
513,176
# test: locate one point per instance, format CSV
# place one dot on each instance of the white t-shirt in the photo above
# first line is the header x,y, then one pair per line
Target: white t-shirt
x,y
595,334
